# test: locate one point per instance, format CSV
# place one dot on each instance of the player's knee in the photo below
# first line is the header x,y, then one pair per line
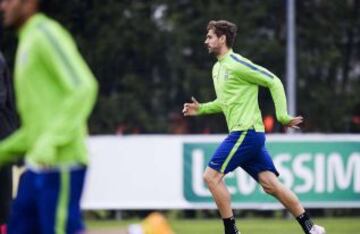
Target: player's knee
x,y
269,189
269,183
209,179
206,178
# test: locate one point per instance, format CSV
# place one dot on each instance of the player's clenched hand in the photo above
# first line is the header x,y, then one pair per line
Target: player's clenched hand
x,y
294,122
191,109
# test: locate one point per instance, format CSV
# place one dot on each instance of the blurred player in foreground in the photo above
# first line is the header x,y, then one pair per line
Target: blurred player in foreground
x,y
8,124
237,80
55,93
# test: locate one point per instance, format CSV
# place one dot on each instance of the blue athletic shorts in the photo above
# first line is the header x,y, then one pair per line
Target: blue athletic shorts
x,y
245,149
48,202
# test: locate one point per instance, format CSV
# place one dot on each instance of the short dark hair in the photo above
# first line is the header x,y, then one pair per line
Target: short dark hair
x,y
223,27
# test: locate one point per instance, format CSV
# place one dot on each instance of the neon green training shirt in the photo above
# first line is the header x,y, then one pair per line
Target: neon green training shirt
x,y
55,93
236,81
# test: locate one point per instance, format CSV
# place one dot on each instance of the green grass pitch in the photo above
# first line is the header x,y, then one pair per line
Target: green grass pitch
x,y
246,226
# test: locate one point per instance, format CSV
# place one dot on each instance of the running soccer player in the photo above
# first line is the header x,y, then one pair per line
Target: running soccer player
x,y
237,80
55,93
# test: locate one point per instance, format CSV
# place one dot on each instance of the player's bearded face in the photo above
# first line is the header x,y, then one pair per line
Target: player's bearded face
x,y
212,42
12,10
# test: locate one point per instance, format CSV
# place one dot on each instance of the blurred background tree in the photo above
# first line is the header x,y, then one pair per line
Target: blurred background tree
x,y
149,58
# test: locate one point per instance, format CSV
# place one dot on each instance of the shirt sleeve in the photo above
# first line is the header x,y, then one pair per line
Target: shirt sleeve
x,y
76,82
254,74
13,147
210,108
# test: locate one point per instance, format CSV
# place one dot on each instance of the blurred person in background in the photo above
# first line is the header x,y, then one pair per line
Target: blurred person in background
x,y
269,123
177,124
8,123
236,81
55,93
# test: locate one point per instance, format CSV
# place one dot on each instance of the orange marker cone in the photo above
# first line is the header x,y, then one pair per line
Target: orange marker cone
x,y
156,223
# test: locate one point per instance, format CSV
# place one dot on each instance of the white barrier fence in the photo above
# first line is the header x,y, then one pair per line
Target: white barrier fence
x,y
165,172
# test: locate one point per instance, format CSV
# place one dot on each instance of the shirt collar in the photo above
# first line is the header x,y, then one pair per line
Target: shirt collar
x,y
230,51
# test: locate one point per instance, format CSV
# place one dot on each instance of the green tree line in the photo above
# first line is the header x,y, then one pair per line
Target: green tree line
x,y
149,58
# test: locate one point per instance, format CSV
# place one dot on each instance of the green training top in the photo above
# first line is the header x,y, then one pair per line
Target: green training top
x,y
236,80
55,93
